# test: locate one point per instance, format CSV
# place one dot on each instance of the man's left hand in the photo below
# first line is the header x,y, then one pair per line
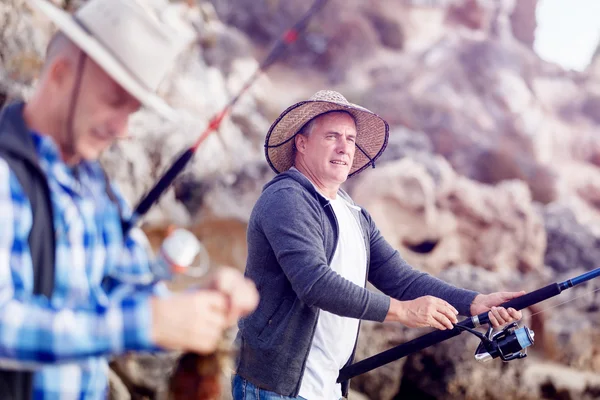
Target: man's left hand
x,y
498,315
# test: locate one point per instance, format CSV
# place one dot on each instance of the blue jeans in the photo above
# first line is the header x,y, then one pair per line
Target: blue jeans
x,y
241,389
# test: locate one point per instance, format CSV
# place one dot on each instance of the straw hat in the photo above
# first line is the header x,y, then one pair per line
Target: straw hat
x,y
371,131
133,43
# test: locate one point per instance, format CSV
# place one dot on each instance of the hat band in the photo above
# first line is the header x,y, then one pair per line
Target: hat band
x,y
272,146
132,74
371,160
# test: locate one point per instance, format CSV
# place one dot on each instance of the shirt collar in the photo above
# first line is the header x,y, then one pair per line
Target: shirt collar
x,y
70,177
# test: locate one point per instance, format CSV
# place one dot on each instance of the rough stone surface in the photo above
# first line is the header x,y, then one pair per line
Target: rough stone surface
x,y
384,382
571,245
454,221
523,21
481,129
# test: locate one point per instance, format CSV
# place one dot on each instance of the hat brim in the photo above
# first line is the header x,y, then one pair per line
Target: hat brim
x,y
372,133
115,69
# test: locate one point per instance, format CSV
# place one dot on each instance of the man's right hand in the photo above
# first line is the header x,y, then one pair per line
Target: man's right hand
x,y
426,311
195,320
190,321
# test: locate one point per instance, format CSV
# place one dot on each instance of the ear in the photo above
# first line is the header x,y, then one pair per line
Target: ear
x,y
300,142
60,71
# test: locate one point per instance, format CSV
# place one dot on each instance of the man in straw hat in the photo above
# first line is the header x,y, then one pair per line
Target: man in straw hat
x,y
311,251
73,290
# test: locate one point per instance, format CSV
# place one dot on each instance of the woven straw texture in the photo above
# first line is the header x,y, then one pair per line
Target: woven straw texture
x,y
371,131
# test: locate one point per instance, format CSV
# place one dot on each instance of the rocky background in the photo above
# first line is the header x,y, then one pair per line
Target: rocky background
x,y
491,179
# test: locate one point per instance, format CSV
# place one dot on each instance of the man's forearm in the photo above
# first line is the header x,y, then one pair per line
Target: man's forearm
x,y
32,332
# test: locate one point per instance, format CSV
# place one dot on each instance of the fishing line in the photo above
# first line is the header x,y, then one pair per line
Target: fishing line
x,y
565,302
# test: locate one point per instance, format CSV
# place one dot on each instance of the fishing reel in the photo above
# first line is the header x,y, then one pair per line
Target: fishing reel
x,y
509,344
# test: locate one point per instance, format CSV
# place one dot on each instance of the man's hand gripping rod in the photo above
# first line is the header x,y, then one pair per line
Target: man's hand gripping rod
x,y
491,346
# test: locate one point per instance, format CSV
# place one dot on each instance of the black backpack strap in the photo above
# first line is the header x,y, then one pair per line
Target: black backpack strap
x,y
18,385
41,238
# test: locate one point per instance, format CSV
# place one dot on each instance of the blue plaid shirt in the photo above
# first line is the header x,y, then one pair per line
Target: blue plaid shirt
x,y
68,339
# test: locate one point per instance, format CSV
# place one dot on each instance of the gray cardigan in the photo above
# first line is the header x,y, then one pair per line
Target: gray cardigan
x,y
292,236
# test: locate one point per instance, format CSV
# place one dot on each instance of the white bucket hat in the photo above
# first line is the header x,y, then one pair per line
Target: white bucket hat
x,y
133,43
371,131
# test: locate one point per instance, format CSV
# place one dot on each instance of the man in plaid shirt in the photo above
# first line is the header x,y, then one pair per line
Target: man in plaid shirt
x,y
101,67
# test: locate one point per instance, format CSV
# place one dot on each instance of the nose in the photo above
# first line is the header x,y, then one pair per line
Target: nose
x,y
344,146
117,127
119,123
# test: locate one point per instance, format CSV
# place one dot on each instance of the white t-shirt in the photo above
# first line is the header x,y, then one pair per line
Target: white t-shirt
x,y
335,335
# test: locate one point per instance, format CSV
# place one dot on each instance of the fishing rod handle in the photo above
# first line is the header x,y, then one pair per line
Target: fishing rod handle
x,y
403,350
524,301
436,337
396,353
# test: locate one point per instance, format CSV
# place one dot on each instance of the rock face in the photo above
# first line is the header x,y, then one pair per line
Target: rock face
x,y
22,40
374,338
145,374
527,379
491,179
342,29
452,221
492,123
448,370
571,245
523,21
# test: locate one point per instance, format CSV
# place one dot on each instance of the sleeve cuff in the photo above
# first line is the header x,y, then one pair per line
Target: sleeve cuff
x,y
378,307
464,305
136,317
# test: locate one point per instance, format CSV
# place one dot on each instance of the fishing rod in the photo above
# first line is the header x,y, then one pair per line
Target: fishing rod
x,y
508,344
154,194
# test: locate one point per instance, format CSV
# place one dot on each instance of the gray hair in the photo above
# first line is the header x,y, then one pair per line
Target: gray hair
x,y
60,45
